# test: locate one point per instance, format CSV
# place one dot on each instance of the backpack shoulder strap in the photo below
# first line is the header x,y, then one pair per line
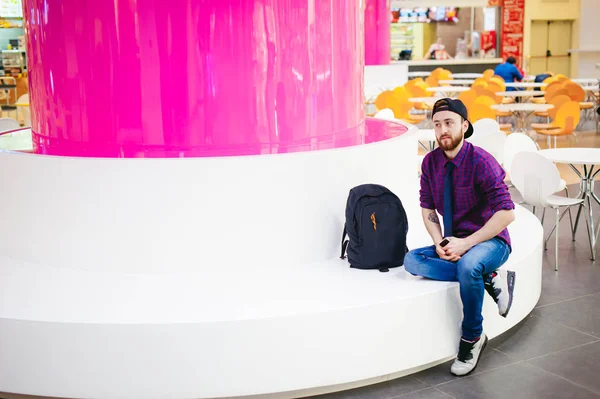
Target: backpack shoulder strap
x,y
344,243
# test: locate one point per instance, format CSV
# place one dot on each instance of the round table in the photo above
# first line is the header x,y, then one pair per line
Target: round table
x,y
524,85
458,82
447,91
526,94
522,112
418,74
429,101
588,159
592,92
429,136
592,81
466,75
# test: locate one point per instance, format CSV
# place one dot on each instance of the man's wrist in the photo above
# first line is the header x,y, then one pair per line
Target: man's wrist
x,y
471,241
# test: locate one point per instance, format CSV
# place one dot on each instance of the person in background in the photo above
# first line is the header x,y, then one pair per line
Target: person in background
x,y
509,72
437,51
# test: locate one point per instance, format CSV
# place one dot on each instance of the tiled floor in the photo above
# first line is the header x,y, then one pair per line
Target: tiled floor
x,y
553,353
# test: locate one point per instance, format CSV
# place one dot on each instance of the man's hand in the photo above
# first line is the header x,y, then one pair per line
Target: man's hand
x,y
456,248
442,253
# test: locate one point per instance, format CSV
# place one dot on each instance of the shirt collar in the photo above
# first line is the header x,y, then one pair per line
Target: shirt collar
x,y
459,158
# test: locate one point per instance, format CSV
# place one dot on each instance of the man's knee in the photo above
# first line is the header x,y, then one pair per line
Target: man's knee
x,y
468,269
411,261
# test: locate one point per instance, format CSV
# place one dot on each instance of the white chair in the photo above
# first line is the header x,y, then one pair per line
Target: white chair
x,y
537,179
386,114
515,143
483,127
7,124
519,142
491,141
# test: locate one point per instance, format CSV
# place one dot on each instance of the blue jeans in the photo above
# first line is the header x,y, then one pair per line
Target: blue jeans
x,y
469,271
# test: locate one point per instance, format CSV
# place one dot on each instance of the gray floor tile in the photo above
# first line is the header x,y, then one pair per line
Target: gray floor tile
x,y
579,365
519,381
574,279
384,390
577,276
536,337
490,359
582,314
430,393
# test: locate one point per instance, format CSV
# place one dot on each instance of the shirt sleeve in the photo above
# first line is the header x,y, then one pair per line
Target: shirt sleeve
x,y
517,73
490,180
425,193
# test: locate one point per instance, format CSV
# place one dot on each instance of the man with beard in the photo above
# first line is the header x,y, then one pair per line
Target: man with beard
x,y
465,184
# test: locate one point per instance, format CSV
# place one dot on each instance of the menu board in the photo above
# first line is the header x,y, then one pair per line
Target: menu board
x,y
421,14
11,9
513,19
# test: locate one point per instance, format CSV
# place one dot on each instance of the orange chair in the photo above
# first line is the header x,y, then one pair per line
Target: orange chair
x,y
468,97
479,84
488,93
555,91
494,87
480,111
499,81
557,101
488,73
485,100
551,84
401,92
445,75
401,107
567,119
576,92
431,81
418,90
383,99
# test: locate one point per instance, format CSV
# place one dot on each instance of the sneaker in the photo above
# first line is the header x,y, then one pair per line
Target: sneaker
x,y
469,353
501,285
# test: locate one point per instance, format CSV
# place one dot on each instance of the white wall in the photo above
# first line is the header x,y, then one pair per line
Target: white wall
x,y
589,32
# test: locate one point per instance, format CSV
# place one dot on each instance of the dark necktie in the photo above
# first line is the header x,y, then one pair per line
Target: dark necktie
x,y
448,200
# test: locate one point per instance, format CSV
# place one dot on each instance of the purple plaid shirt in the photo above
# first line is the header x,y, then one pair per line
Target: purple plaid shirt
x,y
479,188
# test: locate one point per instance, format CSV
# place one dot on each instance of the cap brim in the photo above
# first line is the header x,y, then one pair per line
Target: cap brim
x,y
469,131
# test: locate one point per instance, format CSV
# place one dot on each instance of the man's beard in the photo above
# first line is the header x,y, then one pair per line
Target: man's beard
x,y
455,142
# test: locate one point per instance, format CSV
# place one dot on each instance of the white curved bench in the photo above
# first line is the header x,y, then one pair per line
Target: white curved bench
x,y
202,326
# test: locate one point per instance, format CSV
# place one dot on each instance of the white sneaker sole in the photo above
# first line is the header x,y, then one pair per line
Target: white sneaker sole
x,y
477,362
510,282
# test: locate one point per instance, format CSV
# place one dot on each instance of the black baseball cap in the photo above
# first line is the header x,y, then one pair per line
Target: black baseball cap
x,y
456,106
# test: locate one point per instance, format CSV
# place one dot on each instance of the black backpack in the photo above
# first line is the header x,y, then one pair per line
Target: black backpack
x,y
377,226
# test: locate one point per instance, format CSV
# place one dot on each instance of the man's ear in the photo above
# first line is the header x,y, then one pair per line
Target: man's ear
x,y
465,126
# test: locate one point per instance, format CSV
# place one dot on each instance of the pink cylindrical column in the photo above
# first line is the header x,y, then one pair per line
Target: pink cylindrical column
x,y
377,32
177,78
